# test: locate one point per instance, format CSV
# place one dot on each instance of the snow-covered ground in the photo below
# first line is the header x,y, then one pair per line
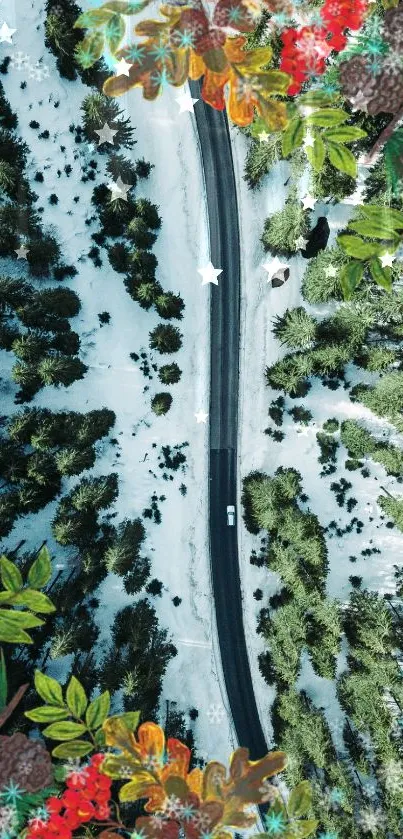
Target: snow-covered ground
x,y
178,547
299,448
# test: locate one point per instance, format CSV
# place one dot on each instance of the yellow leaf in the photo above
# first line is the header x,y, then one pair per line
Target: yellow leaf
x,y
273,112
119,766
253,60
151,28
117,734
139,787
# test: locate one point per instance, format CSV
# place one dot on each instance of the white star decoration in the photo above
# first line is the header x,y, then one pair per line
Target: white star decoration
x,y
387,260
308,202
6,34
186,102
274,266
122,67
330,271
105,134
119,189
21,252
301,243
209,274
201,416
309,141
263,136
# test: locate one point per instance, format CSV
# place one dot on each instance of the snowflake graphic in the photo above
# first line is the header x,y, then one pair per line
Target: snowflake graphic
x,y
12,793
391,774
39,818
135,54
201,821
188,812
157,821
153,762
173,807
39,72
8,819
74,770
371,820
216,713
19,61
275,824
183,39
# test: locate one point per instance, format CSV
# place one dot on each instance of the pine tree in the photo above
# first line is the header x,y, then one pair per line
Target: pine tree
x,y
148,212
143,264
72,461
119,166
161,403
385,398
169,374
321,279
140,234
123,555
296,328
260,159
169,305
95,493
165,338
282,229
97,110
58,369
393,507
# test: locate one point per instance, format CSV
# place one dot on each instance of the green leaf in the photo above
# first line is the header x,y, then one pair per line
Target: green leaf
x,y
35,600
3,681
8,597
315,98
355,246
293,136
40,571
93,17
76,748
378,212
350,276
25,620
99,737
382,276
316,154
326,117
342,159
345,134
98,710
114,32
76,697
10,575
11,633
47,713
127,8
90,49
300,800
64,730
49,689
375,231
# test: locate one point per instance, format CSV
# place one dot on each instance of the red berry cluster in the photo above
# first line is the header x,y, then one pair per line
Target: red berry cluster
x,y
305,50
87,797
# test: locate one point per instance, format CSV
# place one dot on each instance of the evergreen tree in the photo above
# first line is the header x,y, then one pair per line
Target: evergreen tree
x,y
140,234
123,555
119,166
169,374
143,168
165,338
97,110
148,212
260,159
169,305
296,328
146,293
143,264
95,493
283,229
161,403
385,398
393,507
321,279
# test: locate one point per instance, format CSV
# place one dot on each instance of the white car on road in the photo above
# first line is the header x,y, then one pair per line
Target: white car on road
x,y
230,515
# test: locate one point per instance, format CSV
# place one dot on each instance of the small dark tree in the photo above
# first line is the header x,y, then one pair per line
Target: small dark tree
x,y
165,338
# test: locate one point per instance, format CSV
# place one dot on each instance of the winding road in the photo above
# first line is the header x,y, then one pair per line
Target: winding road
x,y
224,367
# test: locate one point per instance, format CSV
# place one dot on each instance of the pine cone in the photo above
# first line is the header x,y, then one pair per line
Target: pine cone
x,y
25,762
388,97
358,85
393,27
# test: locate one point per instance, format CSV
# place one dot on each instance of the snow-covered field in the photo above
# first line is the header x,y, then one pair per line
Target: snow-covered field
x,y
178,546
299,448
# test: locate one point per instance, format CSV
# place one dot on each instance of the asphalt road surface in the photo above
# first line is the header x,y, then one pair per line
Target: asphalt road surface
x,y
225,324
